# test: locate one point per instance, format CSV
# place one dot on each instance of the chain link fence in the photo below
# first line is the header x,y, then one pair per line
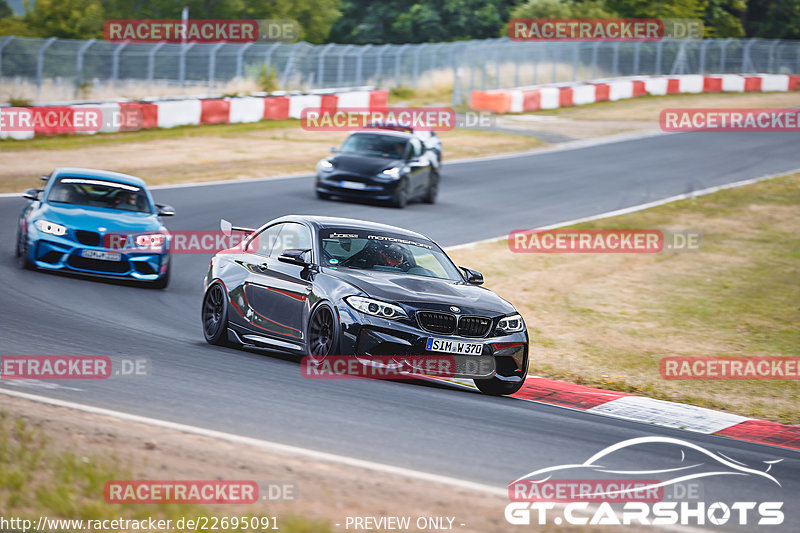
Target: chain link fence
x,y
462,66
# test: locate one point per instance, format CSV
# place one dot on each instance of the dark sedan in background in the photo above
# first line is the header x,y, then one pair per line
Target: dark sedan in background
x,y
387,166
319,286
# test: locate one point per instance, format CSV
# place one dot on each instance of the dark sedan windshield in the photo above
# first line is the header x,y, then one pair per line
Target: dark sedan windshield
x,y
96,192
376,145
384,252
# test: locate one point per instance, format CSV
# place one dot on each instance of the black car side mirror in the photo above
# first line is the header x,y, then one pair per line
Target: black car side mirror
x,y
165,210
294,256
473,277
333,150
32,194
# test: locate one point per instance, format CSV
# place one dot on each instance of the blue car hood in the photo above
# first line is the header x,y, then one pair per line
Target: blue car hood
x,y
93,218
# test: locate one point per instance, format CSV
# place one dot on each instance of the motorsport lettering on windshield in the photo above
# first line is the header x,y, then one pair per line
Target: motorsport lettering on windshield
x,y
336,235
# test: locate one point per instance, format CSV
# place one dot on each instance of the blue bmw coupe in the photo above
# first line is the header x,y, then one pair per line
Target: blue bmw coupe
x,y
97,223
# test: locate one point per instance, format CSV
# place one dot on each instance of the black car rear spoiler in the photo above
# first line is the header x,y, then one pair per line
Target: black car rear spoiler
x,y
227,228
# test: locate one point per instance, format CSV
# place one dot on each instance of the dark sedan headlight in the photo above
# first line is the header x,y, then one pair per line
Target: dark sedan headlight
x,y
324,166
378,308
50,227
392,173
511,324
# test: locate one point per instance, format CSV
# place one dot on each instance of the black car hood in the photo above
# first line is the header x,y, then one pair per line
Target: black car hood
x,y
361,164
414,290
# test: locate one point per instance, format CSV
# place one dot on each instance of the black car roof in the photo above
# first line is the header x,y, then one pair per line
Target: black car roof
x,y
320,222
388,133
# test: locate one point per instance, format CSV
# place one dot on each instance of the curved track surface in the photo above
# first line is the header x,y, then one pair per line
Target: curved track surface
x,y
424,427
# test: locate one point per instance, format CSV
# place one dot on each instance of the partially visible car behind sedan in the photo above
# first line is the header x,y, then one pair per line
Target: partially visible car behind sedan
x,y
95,223
386,166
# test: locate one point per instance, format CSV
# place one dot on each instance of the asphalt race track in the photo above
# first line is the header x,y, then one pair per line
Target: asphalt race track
x,y
424,427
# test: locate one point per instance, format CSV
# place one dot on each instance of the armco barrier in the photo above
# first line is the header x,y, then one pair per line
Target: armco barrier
x,y
534,98
129,116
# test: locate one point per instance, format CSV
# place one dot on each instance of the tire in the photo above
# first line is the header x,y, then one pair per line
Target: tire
x,y
400,198
323,195
323,333
163,281
214,315
23,254
496,387
433,189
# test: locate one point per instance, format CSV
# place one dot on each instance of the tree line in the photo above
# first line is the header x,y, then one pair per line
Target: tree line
x,y
402,21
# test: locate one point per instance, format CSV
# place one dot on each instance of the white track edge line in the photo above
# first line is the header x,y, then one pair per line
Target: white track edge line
x,y
283,449
286,449
639,207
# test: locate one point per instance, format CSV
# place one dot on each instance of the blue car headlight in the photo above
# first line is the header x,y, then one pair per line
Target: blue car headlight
x,y
325,166
50,227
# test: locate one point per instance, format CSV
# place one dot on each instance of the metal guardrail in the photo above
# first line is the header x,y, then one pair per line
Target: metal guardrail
x,y
464,65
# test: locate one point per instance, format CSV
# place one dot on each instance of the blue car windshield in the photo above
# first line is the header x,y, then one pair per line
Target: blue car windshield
x,y
376,145
96,192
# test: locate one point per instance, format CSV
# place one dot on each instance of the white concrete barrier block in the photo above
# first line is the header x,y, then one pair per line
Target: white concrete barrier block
x,y
657,86
549,97
690,83
516,101
583,94
620,90
354,99
173,113
732,83
247,109
302,101
774,82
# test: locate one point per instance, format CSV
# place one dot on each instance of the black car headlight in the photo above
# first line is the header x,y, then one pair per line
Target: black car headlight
x,y
390,173
378,308
511,324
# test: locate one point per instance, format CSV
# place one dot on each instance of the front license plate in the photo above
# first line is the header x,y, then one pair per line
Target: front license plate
x,y
352,185
449,346
104,256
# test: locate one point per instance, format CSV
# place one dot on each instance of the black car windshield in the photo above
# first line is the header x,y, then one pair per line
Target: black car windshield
x,y
97,192
375,145
385,252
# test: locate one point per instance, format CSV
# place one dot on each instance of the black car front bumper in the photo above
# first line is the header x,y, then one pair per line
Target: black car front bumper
x,y
504,357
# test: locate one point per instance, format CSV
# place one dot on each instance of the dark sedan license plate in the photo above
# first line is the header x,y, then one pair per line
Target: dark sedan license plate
x,y
103,256
450,346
